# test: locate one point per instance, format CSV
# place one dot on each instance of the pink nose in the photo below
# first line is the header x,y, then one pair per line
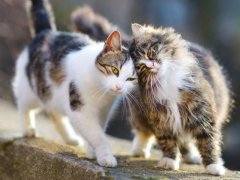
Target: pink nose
x,y
150,65
118,87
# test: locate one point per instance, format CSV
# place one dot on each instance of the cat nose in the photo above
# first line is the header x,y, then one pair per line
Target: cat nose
x,y
153,66
118,87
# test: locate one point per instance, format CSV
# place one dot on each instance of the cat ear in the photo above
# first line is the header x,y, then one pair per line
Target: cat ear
x,y
113,42
137,29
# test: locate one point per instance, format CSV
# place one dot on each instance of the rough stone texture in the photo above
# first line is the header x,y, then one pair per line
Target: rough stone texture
x,y
30,159
23,159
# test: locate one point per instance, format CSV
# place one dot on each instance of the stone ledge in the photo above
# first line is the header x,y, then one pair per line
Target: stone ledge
x,y
38,159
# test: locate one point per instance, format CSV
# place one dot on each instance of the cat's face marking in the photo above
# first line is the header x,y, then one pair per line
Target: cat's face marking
x,y
153,49
116,68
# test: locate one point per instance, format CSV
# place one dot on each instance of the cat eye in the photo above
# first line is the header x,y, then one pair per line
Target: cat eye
x,y
155,48
115,70
131,79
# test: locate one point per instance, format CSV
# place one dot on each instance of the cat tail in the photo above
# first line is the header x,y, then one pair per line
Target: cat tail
x,y
86,21
41,16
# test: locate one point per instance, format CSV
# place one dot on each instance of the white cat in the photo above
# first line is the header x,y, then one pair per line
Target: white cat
x,y
72,77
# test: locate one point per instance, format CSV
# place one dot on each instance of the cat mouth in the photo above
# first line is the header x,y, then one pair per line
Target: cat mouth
x,y
116,92
153,70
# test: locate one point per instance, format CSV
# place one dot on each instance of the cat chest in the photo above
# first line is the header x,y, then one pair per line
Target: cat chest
x,y
159,115
184,118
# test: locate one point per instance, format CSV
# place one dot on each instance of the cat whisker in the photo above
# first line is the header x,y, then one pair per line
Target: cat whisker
x,y
128,105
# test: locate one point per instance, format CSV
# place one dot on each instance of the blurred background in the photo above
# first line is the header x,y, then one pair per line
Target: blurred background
x,y
214,24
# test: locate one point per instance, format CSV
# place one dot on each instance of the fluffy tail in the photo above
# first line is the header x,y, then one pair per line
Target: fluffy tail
x,y
41,17
85,20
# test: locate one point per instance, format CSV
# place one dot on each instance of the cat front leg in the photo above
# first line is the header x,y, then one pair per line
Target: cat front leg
x,y
88,126
170,159
91,154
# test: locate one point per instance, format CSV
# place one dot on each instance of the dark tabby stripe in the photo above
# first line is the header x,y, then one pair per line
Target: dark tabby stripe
x,y
117,59
49,48
62,45
36,66
74,97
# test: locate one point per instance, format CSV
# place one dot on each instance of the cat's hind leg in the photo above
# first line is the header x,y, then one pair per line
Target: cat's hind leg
x,y
27,122
142,144
143,136
27,109
190,153
65,129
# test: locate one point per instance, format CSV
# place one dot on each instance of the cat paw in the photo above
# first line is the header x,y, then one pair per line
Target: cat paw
x,y
216,169
78,141
73,142
169,163
192,158
137,152
107,160
30,133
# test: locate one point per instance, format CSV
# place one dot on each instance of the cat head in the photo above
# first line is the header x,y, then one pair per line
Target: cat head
x,y
154,49
115,65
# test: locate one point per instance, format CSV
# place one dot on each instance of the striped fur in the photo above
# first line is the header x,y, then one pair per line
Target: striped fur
x,y
183,92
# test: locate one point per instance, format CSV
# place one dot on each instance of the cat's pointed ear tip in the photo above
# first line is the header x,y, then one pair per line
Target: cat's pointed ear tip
x,y
113,41
136,29
115,33
135,25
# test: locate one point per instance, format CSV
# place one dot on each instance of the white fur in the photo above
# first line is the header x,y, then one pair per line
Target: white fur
x,y
137,30
91,154
216,169
193,156
96,90
168,163
171,75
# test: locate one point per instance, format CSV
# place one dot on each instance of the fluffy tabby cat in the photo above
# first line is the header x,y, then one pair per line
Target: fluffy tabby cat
x,y
184,95
71,76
